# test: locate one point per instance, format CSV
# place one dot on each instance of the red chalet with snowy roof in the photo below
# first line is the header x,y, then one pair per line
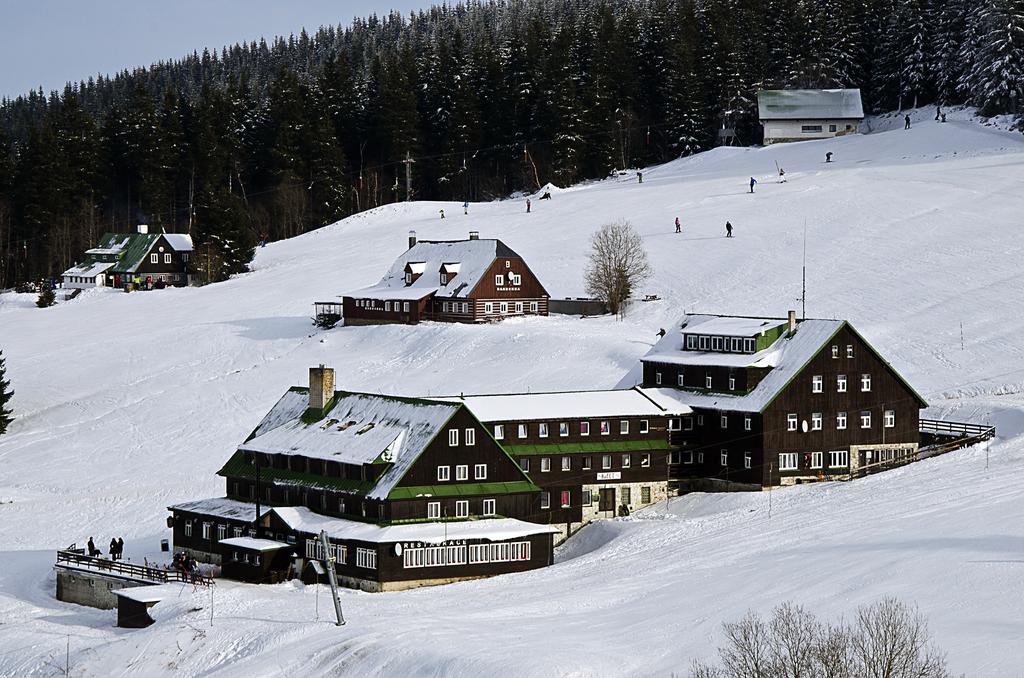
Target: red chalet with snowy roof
x,y
470,281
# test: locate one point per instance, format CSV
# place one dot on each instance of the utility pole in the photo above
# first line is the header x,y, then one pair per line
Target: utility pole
x,y
408,175
803,282
256,523
332,577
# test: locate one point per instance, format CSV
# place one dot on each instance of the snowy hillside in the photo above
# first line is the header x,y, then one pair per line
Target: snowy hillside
x,y
128,403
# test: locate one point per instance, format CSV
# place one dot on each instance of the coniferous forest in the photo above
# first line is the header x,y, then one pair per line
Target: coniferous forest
x,y
275,139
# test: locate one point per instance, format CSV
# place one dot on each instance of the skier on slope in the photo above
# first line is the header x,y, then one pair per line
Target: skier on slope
x,y
679,226
753,182
728,230
442,214
527,205
465,207
906,121
782,176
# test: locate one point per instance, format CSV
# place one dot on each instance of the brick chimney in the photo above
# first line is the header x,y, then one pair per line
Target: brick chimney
x,y
474,235
321,386
792,322
412,239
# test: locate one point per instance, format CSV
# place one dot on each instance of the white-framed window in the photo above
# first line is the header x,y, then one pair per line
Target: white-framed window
x,y
453,437
817,383
707,381
188,528
519,307
746,423
499,431
675,424
849,350
387,305
716,343
433,509
465,307
606,461
788,461
657,378
533,307
749,345
237,532
523,430
724,457
154,258
586,463
688,457
488,307
503,306
499,279
865,383
470,437
488,508
816,458
408,278
462,472
732,383
462,508
724,419
792,422
746,460
586,498
479,471
645,494
679,378
206,530
645,460
626,461
841,421
624,427
167,257
890,418
444,278
515,279
545,464
566,463
841,383
704,343
606,428
700,420
444,473
563,429
542,429
545,500
815,421
184,256
835,351
524,464
366,558
645,426
566,499
839,459
865,419
584,428
405,306
691,341
444,306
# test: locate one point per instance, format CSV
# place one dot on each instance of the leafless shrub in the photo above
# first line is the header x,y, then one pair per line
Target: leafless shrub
x,y
618,264
889,639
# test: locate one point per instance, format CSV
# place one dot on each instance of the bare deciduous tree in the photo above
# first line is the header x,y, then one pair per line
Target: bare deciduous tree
x,y
618,264
889,639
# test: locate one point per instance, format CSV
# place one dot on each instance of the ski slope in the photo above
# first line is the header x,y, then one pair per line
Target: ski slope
x,y
128,403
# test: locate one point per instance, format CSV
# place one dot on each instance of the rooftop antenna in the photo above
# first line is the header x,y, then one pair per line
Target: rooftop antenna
x,y
803,282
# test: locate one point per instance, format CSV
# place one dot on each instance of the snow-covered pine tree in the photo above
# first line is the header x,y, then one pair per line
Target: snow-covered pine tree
x,y
6,393
996,78
948,37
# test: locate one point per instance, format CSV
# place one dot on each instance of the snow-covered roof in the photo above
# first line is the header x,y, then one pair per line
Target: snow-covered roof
x,y
253,544
357,428
221,507
809,104
181,242
785,357
393,293
89,269
301,519
566,405
147,594
713,325
470,258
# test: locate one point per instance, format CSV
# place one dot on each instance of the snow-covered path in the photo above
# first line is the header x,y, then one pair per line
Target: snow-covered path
x,y
127,403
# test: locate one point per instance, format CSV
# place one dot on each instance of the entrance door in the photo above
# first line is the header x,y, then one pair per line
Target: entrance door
x,y
607,499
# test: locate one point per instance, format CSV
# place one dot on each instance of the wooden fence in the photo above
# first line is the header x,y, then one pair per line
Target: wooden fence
x,y
120,568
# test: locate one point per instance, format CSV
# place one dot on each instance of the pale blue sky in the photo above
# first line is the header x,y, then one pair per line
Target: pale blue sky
x,y
49,42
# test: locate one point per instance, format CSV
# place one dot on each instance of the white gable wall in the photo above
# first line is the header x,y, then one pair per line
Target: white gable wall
x,y
776,131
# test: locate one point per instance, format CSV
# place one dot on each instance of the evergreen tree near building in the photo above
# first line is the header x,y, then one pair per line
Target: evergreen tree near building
x,y
6,393
47,297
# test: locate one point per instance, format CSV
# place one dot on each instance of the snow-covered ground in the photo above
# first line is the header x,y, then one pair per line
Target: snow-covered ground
x,y
128,403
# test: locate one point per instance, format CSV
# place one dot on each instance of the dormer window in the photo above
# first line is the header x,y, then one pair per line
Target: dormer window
x,y
691,341
408,278
444,278
748,345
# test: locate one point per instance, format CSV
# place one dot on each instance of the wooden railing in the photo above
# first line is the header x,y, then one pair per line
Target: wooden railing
x,y
130,570
956,428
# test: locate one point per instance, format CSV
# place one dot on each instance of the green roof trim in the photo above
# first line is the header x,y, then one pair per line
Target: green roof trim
x,y
821,348
569,448
463,490
236,467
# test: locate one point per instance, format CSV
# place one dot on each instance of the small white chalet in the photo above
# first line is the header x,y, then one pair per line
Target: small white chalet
x,y
798,114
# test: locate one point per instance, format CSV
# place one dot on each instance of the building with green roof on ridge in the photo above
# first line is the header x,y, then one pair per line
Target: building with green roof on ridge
x,y
141,259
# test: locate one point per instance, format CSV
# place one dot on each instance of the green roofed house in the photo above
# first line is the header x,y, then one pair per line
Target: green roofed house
x,y
141,259
408,491
780,400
